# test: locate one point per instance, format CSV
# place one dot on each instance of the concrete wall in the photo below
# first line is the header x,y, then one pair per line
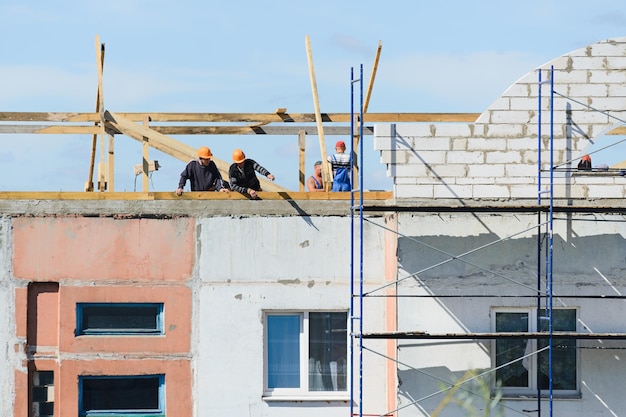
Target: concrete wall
x,y
215,275
497,156
251,265
7,324
588,259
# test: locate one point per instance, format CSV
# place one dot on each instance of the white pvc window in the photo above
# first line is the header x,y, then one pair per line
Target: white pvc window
x,y
527,376
306,353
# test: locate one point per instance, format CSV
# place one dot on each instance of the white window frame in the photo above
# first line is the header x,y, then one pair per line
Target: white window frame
x,y
302,393
531,389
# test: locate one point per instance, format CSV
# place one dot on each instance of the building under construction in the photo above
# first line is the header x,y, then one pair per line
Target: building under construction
x,y
489,281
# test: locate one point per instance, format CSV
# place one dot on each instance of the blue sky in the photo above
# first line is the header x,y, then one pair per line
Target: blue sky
x,y
250,56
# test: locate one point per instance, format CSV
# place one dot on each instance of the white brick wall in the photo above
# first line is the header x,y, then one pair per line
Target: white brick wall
x,y
496,156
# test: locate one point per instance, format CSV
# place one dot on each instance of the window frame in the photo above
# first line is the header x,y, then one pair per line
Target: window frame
x,y
303,392
160,412
158,330
533,368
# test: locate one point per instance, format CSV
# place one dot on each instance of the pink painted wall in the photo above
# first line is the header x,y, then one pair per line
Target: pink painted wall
x,y
88,248
178,380
176,301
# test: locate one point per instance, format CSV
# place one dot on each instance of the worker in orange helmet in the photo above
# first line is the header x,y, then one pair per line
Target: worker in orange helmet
x,y
202,174
242,174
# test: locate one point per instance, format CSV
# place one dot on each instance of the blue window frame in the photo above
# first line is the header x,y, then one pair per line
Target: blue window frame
x,y
119,319
121,396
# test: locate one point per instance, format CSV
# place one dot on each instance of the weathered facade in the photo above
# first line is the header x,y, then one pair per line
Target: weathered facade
x,y
190,305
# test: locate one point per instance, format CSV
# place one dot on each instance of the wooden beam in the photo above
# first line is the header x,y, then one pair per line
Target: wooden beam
x,y
102,180
318,115
145,148
263,118
172,147
302,159
94,141
187,130
191,195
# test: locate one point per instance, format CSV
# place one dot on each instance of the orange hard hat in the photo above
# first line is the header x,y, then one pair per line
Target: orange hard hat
x,y
204,152
238,156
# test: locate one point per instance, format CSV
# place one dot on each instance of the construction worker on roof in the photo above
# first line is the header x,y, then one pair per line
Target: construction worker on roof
x,y
202,174
242,174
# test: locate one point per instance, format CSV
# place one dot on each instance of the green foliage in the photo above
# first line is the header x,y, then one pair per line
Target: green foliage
x,y
474,395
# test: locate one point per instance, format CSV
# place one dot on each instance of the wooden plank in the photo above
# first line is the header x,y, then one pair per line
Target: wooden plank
x,y
192,195
173,147
102,180
94,141
49,129
292,130
301,159
145,158
318,116
239,117
48,117
370,85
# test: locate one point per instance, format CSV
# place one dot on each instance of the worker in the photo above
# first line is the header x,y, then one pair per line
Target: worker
x,y
242,174
585,163
202,174
340,165
314,182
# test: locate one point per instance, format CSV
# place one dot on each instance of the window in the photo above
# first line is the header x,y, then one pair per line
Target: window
x,y
119,318
525,377
122,396
306,352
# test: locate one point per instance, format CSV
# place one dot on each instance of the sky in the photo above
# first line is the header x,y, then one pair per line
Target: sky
x,y
250,57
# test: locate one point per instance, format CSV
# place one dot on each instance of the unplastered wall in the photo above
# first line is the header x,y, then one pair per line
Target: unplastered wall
x,y
454,268
497,156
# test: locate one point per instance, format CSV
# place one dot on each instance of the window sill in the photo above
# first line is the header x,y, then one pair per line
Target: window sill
x,y
306,398
557,397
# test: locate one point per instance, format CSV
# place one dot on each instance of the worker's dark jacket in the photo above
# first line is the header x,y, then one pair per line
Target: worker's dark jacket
x,y
202,178
242,179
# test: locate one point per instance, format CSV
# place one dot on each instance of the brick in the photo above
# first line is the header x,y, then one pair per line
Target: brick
x,y
605,49
519,89
523,103
449,170
431,144
524,191
459,144
485,170
514,144
452,191
491,191
452,129
503,103
486,144
503,157
590,63
582,91
608,77
510,117
427,157
413,191
460,157
607,191
503,131
520,170
409,170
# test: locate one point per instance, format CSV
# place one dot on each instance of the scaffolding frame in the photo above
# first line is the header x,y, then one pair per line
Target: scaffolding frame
x,y
544,297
